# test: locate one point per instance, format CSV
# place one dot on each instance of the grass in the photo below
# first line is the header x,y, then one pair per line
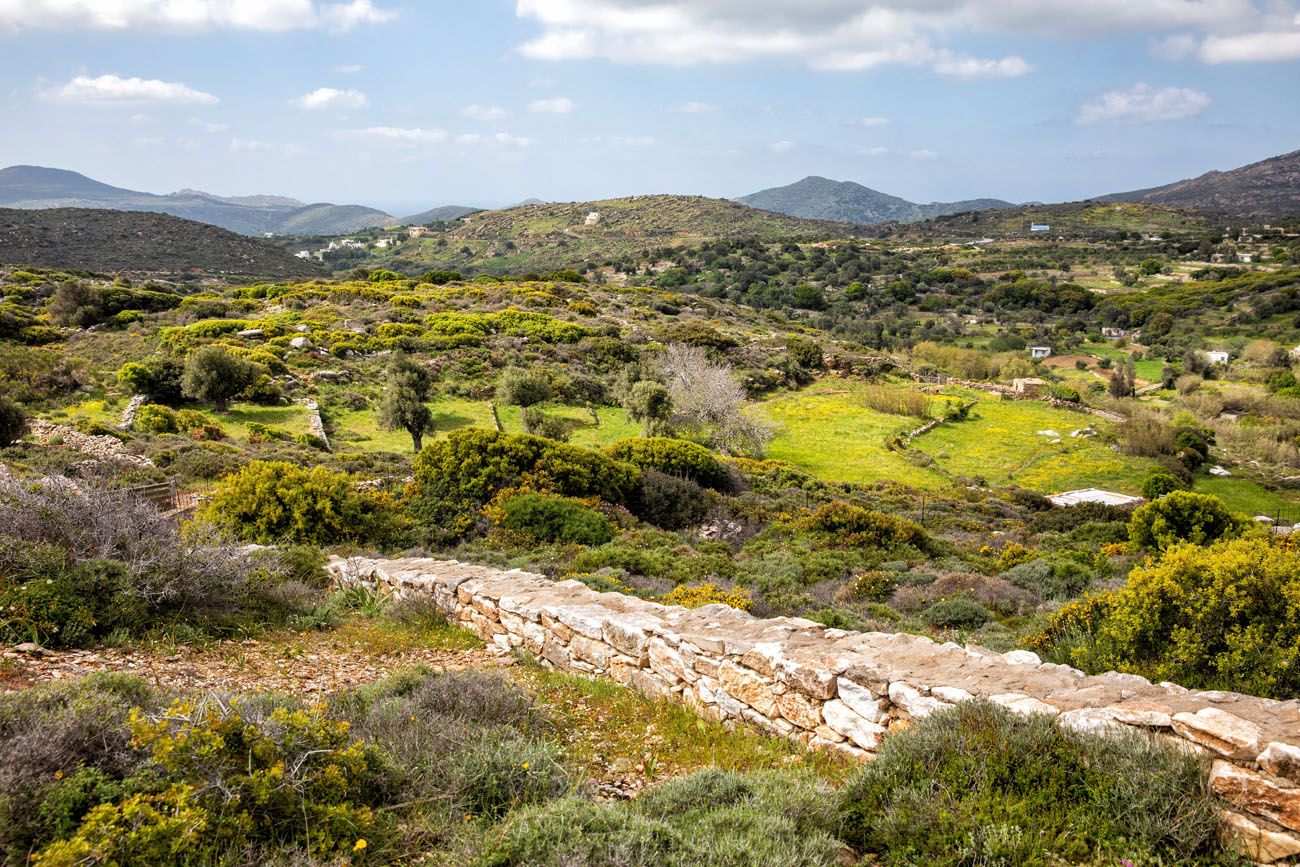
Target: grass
x,y
1001,443
827,431
606,726
1250,498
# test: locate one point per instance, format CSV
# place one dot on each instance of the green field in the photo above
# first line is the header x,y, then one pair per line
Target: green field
x,y
1250,498
1001,443
828,432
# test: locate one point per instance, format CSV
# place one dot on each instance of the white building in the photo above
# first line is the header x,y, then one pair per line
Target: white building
x,y
1040,352
1218,356
1093,495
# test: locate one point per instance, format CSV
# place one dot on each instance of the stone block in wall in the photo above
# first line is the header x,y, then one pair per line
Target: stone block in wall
x,y
860,699
555,651
587,620
628,635
747,686
1281,760
597,653
799,710
1024,705
862,732
1256,795
650,684
1222,732
1262,845
667,662
551,624
912,701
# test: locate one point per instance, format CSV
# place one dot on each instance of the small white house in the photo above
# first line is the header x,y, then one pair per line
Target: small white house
x,y
1038,352
592,219
1040,227
1110,333
1218,356
1028,385
419,232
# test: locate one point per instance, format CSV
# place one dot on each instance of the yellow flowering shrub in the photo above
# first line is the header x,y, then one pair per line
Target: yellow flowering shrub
x,y
697,595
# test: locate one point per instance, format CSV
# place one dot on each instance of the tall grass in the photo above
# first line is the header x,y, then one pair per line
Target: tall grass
x,y
895,401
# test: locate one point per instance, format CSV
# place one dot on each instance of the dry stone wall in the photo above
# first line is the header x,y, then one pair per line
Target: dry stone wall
x,y
847,691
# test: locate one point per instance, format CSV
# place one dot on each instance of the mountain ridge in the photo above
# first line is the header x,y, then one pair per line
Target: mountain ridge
x,y
819,198
1267,189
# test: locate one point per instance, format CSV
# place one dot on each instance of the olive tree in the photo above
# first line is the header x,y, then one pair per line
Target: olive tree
x,y
409,387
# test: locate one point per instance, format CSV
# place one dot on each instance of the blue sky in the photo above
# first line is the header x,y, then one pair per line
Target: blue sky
x,y
405,105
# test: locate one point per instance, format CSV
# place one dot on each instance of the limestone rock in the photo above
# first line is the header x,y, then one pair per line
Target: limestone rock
x,y
748,687
1262,845
799,710
862,732
302,343
860,700
1224,733
910,699
1256,795
1281,760
1025,705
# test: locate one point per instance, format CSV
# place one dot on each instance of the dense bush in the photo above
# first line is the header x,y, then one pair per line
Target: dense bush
x,y
13,422
1160,481
158,379
153,418
455,477
554,519
979,785
853,526
713,817
213,374
1050,579
674,458
959,612
275,501
669,502
1220,617
77,568
1184,516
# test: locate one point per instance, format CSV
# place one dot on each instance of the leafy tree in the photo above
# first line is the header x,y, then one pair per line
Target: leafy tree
x,y
13,422
1184,516
410,386
523,388
806,352
158,379
215,375
77,303
649,403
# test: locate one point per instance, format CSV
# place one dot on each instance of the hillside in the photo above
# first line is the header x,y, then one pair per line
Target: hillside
x,y
439,215
36,187
1266,190
1077,220
122,241
549,236
823,199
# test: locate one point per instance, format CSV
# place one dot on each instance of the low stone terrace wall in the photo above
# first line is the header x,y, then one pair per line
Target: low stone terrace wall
x,y
847,691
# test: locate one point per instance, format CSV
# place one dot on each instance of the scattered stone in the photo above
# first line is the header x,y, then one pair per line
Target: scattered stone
x,y
302,343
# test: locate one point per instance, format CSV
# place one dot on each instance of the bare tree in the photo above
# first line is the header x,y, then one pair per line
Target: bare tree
x,y
708,400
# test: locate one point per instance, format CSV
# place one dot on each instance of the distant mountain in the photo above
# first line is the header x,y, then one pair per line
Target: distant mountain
x,y
1266,190
444,214
37,187
816,198
108,241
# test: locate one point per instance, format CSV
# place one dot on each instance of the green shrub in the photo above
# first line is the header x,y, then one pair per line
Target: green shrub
x,y
669,502
1160,481
455,477
555,519
98,429
979,785
959,612
153,418
674,458
500,772
70,608
268,502
847,525
1218,617
1184,516
1051,579
13,422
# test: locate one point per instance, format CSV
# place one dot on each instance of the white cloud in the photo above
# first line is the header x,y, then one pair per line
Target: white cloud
x,y
502,140
873,121
1174,47
116,90
923,154
781,147
148,142
485,112
394,136
874,152
188,16
208,127
695,107
1252,47
332,98
634,141
254,146
1142,103
861,34
558,105
349,68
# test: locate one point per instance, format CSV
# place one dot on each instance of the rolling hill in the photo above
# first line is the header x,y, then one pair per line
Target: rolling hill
x,y
561,235
1090,220
36,187
107,241
818,198
1266,190
441,214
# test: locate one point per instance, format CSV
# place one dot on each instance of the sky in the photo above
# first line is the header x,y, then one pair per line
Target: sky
x,y
406,105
